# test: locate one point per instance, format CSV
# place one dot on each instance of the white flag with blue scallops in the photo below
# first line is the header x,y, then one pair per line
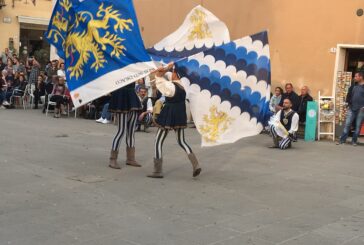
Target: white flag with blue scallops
x,y
229,89
101,44
201,30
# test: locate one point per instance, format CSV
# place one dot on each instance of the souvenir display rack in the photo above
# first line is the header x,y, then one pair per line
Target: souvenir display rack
x,y
343,84
326,117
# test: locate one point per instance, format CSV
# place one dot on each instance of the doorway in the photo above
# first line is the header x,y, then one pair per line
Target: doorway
x,y
32,43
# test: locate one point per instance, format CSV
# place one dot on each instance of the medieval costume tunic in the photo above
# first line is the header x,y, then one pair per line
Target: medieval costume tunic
x,y
289,119
125,100
173,114
126,104
172,117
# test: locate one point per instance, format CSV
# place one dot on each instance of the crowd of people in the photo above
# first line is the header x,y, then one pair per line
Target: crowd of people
x,y
26,80
290,110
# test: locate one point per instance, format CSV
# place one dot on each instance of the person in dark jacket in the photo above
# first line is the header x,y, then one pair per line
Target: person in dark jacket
x,y
355,100
292,96
302,108
39,91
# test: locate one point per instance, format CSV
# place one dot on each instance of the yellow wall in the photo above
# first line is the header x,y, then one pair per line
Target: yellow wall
x,y
43,9
301,32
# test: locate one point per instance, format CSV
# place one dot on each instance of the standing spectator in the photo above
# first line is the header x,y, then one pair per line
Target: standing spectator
x,y
34,66
148,86
15,64
355,100
292,96
5,55
51,71
39,91
49,64
138,84
304,98
61,72
18,66
275,100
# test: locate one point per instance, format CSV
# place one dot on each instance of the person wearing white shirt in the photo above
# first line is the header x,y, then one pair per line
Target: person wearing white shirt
x,y
289,120
172,117
61,72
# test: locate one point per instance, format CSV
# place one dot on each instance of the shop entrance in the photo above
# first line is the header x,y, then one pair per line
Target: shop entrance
x,y
354,60
349,58
32,43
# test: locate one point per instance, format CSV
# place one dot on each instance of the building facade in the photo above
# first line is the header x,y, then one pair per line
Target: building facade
x,y
22,26
310,40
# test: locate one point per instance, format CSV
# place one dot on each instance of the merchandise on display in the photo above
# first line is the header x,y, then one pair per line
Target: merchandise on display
x,y
343,83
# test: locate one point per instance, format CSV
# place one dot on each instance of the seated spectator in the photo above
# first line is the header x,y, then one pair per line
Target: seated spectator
x,y
105,114
58,96
302,108
2,91
292,96
275,100
48,90
146,114
39,91
287,123
19,86
7,90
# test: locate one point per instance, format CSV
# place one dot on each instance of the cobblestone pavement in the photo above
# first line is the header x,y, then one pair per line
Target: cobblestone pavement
x,y
56,189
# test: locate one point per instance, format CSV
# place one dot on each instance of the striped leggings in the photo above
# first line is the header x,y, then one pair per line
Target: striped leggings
x,y
126,124
161,136
282,144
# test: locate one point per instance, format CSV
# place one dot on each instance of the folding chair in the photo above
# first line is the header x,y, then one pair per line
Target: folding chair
x,y
28,97
17,97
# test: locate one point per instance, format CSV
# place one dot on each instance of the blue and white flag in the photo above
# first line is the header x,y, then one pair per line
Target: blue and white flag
x,y
201,30
101,44
229,89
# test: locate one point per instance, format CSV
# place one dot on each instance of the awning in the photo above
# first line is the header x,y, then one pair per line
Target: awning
x,y
34,23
